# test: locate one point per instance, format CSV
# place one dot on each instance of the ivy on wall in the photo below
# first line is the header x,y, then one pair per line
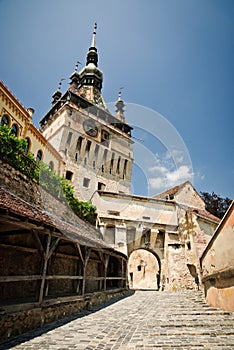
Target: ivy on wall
x,y
12,150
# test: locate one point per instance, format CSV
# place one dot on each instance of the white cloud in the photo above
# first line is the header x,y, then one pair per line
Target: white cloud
x,y
157,183
158,168
170,178
169,171
176,155
180,174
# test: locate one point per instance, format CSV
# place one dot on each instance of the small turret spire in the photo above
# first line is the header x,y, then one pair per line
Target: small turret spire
x,y
75,78
57,95
120,107
93,42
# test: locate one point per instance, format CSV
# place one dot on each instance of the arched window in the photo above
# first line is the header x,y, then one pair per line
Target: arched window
x,y
27,147
14,130
51,165
5,120
39,156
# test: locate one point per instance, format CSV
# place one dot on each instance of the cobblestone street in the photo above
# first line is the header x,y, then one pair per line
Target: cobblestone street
x,y
145,320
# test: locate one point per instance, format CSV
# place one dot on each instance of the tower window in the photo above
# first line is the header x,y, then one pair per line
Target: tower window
x,y
69,175
69,138
125,168
88,146
118,165
94,164
110,234
39,156
96,150
139,268
86,182
14,130
104,160
112,163
5,120
79,144
105,137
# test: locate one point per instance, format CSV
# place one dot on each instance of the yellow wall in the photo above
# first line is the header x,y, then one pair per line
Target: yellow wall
x,y
17,114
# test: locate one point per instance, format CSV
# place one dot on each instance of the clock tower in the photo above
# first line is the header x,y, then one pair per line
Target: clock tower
x,y
96,146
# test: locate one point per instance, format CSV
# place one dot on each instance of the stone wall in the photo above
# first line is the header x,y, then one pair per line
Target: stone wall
x,y
17,323
29,190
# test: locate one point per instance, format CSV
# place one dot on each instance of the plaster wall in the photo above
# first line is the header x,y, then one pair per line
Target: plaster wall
x,y
189,196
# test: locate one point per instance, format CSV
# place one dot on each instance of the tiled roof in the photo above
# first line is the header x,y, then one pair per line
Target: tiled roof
x,y
82,233
172,190
200,212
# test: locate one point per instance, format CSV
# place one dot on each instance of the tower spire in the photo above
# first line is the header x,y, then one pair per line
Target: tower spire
x,y
92,55
93,42
91,77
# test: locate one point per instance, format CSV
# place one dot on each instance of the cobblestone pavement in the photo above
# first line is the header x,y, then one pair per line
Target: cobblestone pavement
x,y
145,320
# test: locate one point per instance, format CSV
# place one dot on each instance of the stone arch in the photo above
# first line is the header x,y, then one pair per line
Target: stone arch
x,y
144,269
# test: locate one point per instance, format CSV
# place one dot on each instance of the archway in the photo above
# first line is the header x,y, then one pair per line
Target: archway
x,y
143,270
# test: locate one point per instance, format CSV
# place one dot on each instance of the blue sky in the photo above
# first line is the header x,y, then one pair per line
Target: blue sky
x,y
175,57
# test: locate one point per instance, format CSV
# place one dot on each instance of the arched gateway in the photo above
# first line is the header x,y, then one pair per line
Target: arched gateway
x,y
144,269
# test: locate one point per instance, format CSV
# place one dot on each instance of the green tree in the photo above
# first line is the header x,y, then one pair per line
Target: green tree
x,y
215,204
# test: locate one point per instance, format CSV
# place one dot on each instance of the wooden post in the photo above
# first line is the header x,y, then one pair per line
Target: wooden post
x,y
105,272
122,272
46,258
79,270
87,254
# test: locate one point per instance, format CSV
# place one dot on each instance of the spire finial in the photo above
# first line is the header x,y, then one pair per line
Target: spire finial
x,y
77,64
120,93
93,42
60,83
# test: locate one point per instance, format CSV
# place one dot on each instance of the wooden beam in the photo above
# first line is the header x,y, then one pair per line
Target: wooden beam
x,y
5,279
14,232
63,277
44,269
19,278
16,247
80,253
53,247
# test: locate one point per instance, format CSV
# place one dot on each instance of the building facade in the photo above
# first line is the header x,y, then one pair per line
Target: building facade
x,y
163,237
217,263
95,145
14,115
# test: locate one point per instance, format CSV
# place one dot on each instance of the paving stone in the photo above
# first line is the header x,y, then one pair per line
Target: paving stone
x,y
145,320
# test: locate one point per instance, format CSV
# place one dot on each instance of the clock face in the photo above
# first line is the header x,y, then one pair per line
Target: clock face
x,y
90,128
